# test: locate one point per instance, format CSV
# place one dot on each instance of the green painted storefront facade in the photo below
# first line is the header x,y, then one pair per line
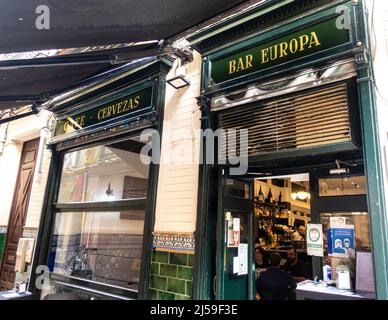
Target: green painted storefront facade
x,y
236,39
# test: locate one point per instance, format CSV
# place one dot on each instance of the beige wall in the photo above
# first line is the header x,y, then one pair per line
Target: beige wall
x,y
176,208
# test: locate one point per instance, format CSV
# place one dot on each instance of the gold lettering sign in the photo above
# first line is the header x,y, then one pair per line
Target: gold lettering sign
x,y
118,108
135,103
275,52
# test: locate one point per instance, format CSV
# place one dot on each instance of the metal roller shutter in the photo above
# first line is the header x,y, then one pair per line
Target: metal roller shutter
x,y
299,121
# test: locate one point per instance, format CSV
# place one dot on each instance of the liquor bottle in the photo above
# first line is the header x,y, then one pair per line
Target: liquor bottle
x,y
260,197
270,196
280,197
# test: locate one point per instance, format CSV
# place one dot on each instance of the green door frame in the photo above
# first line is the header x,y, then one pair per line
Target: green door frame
x,y
372,152
221,255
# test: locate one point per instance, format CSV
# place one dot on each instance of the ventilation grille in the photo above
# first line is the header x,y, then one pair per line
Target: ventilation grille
x,y
300,121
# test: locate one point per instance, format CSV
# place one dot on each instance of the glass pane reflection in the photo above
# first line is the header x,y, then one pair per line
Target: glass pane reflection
x,y
101,246
103,173
343,186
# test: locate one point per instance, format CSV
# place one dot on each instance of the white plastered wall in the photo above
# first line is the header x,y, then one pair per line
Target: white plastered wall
x,y
176,207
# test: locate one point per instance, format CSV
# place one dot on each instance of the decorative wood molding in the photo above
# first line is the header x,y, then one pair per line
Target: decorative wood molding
x,y
174,241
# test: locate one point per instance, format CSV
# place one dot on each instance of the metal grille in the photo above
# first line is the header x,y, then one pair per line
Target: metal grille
x,y
300,121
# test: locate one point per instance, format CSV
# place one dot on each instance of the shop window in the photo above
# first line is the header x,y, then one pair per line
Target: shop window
x,y
236,188
103,173
99,223
343,186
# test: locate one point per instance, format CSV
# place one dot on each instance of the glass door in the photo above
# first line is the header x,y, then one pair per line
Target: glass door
x,y
235,275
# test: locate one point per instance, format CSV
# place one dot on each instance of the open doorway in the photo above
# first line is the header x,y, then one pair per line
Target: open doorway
x,y
271,212
282,212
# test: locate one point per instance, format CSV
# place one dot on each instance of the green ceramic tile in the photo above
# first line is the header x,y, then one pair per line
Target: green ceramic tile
x,y
168,270
176,286
191,260
178,258
189,288
180,297
157,282
152,294
166,296
160,256
155,268
185,273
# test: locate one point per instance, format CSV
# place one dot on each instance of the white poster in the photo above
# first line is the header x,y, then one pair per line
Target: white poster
x,y
314,240
243,259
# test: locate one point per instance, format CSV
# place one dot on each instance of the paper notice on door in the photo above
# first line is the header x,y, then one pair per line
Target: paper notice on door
x,y
236,265
236,232
236,224
243,259
230,234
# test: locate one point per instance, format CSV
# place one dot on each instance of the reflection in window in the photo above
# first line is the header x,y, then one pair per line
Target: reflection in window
x,y
98,246
344,186
103,173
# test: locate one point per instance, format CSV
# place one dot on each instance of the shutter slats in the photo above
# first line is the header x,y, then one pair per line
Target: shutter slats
x,y
300,121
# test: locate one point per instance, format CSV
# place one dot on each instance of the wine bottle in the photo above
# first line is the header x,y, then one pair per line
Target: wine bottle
x,y
280,197
260,197
270,196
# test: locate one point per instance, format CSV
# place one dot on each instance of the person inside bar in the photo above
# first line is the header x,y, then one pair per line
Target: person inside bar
x,y
299,234
295,266
260,261
275,284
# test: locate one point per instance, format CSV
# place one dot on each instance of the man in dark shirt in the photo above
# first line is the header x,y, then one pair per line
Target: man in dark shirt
x,y
296,267
275,284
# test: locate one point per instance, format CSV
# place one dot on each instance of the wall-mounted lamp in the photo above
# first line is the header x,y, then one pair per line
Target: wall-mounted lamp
x,y
109,192
179,81
342,170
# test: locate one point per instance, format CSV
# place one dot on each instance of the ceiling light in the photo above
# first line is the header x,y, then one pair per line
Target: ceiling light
x,y
339,171
302,195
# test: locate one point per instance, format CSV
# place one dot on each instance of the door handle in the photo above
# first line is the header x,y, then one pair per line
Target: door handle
x,y
215,286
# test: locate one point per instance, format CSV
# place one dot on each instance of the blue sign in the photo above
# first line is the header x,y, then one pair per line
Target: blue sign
x,y
342,241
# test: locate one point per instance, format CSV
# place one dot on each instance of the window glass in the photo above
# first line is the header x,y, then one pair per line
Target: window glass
x,y
345,234
343,186
100,246
104,173
360,221
237,188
